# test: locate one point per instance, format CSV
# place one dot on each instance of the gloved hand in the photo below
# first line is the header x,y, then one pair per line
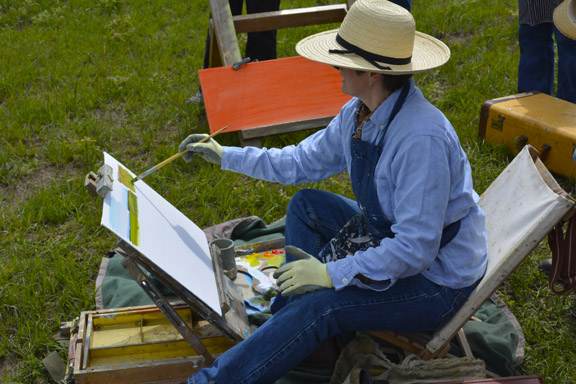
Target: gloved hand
x,y
307,274
210,150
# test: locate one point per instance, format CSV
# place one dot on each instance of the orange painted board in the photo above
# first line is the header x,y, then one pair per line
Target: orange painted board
x,y
270,92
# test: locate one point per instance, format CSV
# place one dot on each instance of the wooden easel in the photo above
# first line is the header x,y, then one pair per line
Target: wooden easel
x,y
233,323
225,51
166,341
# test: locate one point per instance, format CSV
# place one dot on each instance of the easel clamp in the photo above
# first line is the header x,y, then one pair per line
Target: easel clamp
x,y
101,183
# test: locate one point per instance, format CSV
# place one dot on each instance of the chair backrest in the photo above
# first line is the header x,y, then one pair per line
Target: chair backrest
x,y
522,206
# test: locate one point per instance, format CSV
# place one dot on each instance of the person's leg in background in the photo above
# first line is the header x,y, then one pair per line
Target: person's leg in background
x,y
536,67
261,45
236,9
404,3
566,84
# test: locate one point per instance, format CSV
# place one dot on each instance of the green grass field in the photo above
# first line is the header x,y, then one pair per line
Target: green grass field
x,y
80,77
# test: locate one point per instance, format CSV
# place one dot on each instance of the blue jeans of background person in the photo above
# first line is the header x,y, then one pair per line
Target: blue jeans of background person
x,y
536,67
304,321
260,46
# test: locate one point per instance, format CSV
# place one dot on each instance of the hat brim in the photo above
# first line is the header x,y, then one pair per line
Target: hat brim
x,y
565,19
428,53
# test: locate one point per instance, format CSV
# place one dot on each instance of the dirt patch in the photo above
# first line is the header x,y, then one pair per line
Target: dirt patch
x,y
20,190
8,368
459,38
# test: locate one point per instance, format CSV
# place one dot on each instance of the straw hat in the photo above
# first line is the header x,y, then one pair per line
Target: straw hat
x,y
376,36
565,18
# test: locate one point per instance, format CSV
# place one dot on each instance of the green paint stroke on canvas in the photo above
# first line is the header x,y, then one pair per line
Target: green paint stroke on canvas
x,y
134,225
125,178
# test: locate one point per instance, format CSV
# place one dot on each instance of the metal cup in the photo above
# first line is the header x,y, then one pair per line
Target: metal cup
x,y
227,255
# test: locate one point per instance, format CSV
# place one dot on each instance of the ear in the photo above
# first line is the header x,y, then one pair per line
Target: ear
x,y
374,76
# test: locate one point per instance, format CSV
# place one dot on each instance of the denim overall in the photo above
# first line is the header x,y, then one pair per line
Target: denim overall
x,y
302,322
369,227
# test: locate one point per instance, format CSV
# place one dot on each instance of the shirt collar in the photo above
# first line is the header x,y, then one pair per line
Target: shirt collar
x,y
382,113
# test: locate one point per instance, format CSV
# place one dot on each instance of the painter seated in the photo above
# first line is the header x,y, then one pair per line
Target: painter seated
x,y
410,249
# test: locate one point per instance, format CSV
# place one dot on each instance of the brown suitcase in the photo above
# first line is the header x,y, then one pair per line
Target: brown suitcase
x,y
546,123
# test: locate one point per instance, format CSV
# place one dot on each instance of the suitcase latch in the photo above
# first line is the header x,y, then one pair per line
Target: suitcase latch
x,y
498,124
520,142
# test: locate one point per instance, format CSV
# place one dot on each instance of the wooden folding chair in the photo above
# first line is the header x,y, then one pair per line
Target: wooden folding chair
x,y
522,206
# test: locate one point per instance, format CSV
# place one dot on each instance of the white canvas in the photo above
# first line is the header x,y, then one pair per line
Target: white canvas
x,y
166,236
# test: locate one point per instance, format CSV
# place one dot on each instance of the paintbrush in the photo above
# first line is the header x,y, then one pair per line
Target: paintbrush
x,y
172,158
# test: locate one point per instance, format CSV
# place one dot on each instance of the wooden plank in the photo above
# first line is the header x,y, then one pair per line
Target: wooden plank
x,y
226,35
268,93
156,371
290,18
266,130
261,246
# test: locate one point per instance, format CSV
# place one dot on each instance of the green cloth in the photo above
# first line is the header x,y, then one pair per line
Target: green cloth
x,y
119,289
497,339
258,231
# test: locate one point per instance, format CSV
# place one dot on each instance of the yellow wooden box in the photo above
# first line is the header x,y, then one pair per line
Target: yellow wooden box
x,y
546,123
139,345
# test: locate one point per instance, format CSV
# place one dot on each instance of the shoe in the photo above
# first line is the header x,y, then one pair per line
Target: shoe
x,y
546,266
198,98
365,377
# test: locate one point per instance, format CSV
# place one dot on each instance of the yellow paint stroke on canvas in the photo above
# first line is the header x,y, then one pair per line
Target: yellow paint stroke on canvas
x,y
125,178
134,225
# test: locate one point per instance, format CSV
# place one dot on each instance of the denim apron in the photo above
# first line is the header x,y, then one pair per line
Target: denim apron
x,y
370,226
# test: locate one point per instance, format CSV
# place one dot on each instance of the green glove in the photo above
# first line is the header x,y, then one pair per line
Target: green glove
x,y
307,274
210,150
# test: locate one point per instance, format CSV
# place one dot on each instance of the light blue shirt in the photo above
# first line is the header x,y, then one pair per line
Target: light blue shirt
x,y
424,183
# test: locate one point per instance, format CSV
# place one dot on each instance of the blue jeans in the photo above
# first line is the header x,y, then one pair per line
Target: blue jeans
x,y
304,321
536,67
291,334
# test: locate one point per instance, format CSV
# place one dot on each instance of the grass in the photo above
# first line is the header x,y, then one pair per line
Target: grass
x,y
80,77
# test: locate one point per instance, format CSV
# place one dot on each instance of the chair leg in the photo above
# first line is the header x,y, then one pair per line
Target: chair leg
x,y
463,343
399,340
411,346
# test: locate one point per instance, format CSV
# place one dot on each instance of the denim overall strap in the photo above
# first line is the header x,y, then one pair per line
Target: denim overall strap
x,y
366,229
365,157
369,227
